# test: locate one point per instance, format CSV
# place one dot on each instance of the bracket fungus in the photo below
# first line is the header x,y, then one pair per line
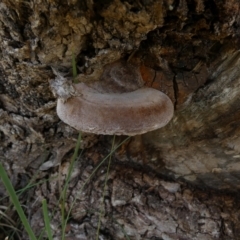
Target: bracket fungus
x,y
120,112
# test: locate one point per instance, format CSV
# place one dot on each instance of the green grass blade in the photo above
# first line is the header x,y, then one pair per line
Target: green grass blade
x,y
73,159
104,190
91,175
46,220
64,191
8,185
29,186
74,68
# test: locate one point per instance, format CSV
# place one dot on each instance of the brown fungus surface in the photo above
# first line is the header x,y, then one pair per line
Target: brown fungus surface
x,y
121,113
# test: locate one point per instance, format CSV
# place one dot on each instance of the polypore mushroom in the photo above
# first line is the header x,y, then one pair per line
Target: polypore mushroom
x,y
120,113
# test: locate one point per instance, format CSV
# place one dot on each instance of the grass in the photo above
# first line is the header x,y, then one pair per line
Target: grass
x,y
9,223
13,225
104,190
13,196
47,220
65,216
64,191
74,67
62,200
89,178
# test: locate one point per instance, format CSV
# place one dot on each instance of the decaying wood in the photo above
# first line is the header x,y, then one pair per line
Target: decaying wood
x,y
142,206
187,49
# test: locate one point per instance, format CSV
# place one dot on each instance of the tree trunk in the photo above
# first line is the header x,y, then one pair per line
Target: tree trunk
x,y
178,182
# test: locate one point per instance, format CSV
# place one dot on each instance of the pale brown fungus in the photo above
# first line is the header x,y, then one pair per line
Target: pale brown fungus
x,y
120,113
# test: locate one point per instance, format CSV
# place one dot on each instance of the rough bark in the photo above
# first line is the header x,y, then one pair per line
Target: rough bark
x,y
179,182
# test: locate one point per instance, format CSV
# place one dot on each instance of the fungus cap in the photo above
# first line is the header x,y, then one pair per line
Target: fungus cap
x,y
130,113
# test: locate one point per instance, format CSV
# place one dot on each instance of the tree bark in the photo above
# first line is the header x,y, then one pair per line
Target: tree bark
x,y
178,182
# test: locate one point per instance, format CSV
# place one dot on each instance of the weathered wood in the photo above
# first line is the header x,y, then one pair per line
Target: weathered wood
x,y
187,49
